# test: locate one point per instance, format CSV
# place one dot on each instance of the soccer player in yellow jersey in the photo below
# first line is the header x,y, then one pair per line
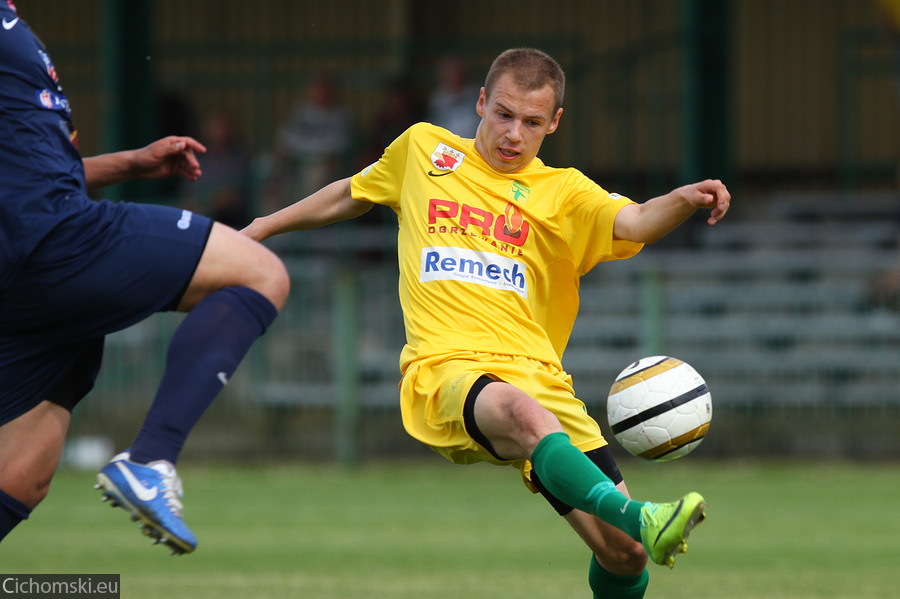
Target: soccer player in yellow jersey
x,y
491,246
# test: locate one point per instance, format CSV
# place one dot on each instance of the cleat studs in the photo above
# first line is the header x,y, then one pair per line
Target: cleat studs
x,y
144,517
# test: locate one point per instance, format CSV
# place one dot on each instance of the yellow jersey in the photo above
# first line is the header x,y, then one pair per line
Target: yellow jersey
x,y
488,261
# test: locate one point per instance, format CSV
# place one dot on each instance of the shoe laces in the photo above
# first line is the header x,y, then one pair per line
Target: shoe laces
x,y
650,514
172,488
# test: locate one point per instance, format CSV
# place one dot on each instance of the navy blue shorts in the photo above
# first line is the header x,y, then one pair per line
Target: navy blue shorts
x,y
103,270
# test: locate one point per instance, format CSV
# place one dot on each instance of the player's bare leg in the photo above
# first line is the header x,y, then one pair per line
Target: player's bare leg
x,y
30,449
235,293
614,549
234,260
519,427
618,562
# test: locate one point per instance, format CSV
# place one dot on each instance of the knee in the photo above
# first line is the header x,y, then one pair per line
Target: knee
x,y
277,282
625,559
30,449
267,275
232,259
37,492
533,421
28,487
513,422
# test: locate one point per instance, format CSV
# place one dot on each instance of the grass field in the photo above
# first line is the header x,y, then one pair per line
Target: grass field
x,y
792,530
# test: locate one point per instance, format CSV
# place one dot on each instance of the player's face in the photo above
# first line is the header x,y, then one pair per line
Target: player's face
x,y
514,123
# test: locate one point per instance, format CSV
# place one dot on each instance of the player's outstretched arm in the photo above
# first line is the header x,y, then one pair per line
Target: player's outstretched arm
x,y
330,204
166,157
654,219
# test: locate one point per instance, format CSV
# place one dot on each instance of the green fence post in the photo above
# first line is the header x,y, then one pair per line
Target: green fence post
x,y
129,109
651,339
345,359
705,93
848,169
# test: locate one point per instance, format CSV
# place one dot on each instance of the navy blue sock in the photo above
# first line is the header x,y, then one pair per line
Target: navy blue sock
x,y
203,354
12,511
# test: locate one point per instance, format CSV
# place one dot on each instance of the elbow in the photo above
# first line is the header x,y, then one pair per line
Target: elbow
x,y
651,239
362,207
638,235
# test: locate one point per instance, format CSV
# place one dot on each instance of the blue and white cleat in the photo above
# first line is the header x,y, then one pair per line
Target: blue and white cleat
x,y
152,493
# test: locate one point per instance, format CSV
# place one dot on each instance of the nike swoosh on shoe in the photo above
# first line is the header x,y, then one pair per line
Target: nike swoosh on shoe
x,y
140,491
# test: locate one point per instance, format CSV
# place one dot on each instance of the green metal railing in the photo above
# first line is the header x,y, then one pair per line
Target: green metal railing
x,y
778,333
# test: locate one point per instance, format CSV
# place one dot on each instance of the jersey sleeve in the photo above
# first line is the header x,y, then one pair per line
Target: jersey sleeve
x,y
381,181
591,214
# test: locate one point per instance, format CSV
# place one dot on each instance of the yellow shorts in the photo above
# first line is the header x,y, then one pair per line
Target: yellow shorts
x,y
433,393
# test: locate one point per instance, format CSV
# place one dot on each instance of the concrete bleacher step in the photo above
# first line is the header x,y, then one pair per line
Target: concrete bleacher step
x,y
862,205
780,234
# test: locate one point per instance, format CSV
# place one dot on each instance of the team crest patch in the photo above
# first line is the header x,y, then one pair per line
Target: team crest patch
x,y
445,159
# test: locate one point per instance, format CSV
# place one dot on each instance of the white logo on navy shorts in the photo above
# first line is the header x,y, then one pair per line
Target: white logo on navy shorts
x,y
185,221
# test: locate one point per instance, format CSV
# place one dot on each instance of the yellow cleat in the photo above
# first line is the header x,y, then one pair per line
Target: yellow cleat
x,y
666,526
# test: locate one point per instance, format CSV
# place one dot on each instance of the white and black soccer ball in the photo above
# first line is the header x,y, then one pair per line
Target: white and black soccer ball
x,y
659,408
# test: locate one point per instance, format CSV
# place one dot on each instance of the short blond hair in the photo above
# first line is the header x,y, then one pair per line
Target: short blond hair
x,y
531,69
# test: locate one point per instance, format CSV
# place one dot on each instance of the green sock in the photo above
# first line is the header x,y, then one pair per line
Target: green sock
x,y
605,584
574,479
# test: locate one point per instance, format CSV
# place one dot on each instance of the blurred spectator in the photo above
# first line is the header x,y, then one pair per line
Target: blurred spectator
x,y
452,103
223,191
885,290
889,17
311,146
400,108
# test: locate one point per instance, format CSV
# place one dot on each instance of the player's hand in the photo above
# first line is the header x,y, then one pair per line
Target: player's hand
x,y
710,195
168,157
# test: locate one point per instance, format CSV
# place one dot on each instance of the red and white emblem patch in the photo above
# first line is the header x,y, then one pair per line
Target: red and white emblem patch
x,y
446,159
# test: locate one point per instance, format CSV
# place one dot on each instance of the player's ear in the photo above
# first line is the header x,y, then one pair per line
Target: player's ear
x,y
482,99
555,122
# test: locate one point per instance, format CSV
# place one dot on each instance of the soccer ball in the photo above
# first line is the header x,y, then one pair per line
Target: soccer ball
x,y
659,408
